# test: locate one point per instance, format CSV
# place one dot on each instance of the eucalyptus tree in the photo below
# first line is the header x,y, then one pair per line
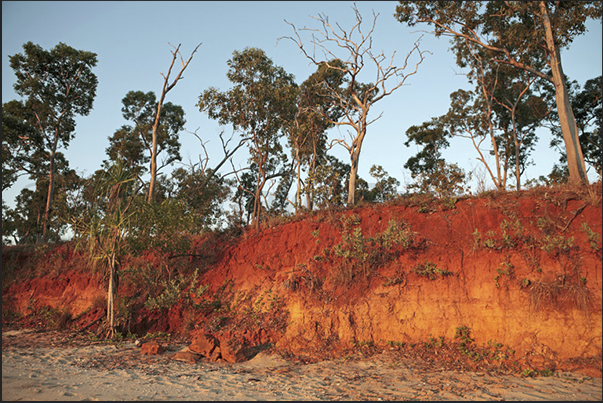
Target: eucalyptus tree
x,y
306,133
328,182
432,174
587,105
202,193
134,144
23,222
260,102
527,35
358,98
384,189
57,85
500,116
19,141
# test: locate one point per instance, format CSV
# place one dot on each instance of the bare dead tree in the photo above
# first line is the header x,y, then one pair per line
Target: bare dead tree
x,y
228,153
359,98
166,88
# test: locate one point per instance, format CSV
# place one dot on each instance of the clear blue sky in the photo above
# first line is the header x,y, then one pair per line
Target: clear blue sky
x,y
131,41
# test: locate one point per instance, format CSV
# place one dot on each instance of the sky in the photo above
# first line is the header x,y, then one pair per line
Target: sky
x,y
132,40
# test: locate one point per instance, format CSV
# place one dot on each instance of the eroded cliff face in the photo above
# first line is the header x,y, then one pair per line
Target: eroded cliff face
x,y
522,269
515,270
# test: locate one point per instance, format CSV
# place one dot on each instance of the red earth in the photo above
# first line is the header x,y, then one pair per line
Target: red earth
x,y
517,273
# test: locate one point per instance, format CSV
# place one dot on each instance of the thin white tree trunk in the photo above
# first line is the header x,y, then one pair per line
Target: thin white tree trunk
x,y
575,158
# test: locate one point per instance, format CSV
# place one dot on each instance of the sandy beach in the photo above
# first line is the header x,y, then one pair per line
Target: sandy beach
x,y
76,370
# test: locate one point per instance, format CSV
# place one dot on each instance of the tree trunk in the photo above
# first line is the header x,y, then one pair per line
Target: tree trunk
x,y
49,197
575,159
355,154
112,291
257,203
311,171
298,198
151,195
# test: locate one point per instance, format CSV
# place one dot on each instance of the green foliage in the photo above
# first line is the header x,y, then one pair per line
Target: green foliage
x,y
362,343
267,301
23,222
397,233
477,239
510,240
592,236
385,188
393,281
105,224
56,85
587,107
130,144
463,334
511,237
499,29
546,225
161,226
438,177
354,243
326,185
262,99
174,291
505,269
528,373
397,344
435,343
201,194
431,270
306,132
556,245
547,372
21,143
360,255
315,235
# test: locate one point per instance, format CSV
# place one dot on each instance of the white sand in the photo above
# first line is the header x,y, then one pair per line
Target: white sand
x,y
69,373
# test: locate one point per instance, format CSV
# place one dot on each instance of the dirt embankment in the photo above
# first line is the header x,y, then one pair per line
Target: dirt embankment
x,y
520,270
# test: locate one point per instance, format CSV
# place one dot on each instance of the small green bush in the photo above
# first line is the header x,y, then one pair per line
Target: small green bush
x,y
430,270
173,291
593,237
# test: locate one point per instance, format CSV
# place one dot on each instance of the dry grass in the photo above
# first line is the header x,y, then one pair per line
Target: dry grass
x,y
555,293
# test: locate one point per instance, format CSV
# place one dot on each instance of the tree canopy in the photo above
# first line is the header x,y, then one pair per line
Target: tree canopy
x,y
133,144
260,102
56,86
526,35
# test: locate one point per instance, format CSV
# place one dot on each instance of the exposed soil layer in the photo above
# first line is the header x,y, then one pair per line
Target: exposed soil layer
x,y
503,277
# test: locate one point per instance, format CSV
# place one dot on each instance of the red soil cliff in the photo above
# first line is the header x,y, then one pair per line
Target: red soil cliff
x,y
522,269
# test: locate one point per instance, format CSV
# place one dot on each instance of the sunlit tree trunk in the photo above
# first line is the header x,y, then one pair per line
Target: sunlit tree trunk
x,y
164,91
111,293
151,195
575,159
